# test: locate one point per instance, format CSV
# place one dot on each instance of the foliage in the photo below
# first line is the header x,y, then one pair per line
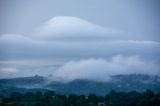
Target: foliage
x,y
50,98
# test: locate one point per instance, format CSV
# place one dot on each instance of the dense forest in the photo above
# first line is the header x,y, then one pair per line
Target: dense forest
x,y
50,98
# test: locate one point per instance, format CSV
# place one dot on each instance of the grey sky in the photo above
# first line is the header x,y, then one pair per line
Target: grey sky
x,y
61,34
133,16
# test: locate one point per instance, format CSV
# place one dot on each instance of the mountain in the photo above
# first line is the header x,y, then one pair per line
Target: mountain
x,y
119,83
35,82
132,82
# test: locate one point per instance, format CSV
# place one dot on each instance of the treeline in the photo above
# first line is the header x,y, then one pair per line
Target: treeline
x,y
50,98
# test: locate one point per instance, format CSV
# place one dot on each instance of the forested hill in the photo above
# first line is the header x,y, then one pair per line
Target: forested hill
x,y
119,83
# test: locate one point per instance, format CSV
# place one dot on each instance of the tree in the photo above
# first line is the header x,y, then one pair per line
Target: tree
x,y
111,98
149,94
59,100
37,98
49,93
28,97
92,99
72,99
81,101
16,96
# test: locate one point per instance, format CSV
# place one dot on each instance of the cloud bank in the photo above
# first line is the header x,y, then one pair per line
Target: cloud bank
x,y
101,69
18,46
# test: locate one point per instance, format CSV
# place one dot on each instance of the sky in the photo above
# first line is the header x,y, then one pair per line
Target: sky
x,y
79,39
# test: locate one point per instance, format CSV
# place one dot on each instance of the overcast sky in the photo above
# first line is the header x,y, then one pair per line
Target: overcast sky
x,y
65,34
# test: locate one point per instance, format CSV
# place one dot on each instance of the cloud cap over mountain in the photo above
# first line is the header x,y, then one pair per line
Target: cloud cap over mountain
x,y
73,28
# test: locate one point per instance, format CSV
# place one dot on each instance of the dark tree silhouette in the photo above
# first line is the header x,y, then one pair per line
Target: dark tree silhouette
x,y
50,98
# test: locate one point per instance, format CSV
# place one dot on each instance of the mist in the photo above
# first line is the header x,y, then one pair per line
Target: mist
x,y
102,70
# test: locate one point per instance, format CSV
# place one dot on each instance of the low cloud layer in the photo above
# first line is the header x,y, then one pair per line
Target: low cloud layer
x,y
18,46
101,69
98,69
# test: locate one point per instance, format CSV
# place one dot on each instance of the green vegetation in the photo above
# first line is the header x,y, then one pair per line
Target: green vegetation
x,y
50,98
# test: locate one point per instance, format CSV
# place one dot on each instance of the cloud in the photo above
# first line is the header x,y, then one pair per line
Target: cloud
x,y
70,28
73,28
98,69
8,70
101,69
18,46
76,40
13,71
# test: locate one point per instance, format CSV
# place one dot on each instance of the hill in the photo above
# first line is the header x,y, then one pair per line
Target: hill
x,y
132,82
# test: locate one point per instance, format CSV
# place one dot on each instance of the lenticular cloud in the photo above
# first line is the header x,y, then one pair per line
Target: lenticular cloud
x,y
101,69
73,28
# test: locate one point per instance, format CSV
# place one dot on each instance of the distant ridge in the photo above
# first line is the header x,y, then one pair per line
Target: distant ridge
x,y
132,82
